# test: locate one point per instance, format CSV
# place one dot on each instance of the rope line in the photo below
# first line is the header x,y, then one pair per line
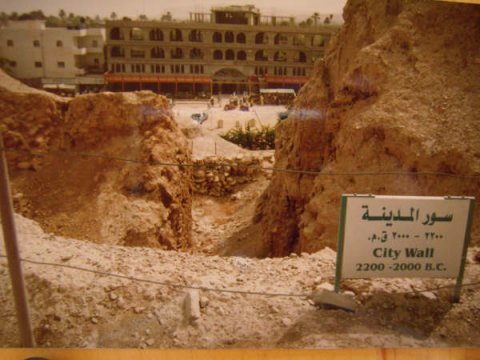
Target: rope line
x,y
204,288
132,278
265,168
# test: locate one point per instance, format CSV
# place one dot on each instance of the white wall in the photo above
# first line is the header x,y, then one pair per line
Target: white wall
x,y
22,51
62,52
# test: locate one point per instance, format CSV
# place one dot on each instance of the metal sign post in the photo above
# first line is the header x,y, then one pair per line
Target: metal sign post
x,y
11,246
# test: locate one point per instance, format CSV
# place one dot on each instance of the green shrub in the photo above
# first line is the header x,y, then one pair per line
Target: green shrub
x,y
252,139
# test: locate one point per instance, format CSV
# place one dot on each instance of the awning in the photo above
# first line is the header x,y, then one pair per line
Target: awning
x,y
157,78
286,79
59,87
277,91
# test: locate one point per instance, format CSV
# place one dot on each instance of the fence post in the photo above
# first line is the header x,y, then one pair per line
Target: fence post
x,y
11,246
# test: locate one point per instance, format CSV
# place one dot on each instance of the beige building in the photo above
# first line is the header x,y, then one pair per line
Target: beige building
x,y
232,48
53,56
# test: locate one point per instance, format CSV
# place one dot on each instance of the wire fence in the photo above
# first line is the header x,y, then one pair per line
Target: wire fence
x,y
256,166
204,288
210,164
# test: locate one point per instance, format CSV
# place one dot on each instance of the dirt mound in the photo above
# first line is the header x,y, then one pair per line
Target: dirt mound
x,y
396,92
95,197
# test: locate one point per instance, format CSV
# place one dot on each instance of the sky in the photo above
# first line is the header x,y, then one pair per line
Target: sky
x,y
179,8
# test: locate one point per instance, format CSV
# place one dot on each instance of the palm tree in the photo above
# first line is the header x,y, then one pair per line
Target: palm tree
x,y
113,15
62,14
315,17
328,19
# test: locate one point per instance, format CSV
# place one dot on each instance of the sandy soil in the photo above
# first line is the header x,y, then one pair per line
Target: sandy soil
x,y
262,114
223,226
73,308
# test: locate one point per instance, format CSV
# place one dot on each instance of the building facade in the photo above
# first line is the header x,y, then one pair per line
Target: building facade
x,y
231,49
53,55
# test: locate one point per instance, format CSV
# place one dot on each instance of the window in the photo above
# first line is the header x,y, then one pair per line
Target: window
x,y
96,61
137,68
117,51
241,38
280,56
280,39
119,67
229,37
59,43
176,35
13,63
196,54
299,40
195,36
136,34
178,69
156,35
61,64
176,53
299,71
157,68
36,43
229,55
116,34
196,69
137,53
9,42
217,37
217,55
157,53
242,55
38,64
94,43
261,38
261,56
300,57
260,70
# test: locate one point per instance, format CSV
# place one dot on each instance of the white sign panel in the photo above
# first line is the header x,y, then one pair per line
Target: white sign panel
x,y
401,236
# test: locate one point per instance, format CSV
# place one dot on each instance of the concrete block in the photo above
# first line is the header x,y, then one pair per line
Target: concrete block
x,y
333,300
192,306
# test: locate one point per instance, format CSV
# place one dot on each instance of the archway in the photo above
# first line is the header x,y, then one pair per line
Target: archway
x,y
228,81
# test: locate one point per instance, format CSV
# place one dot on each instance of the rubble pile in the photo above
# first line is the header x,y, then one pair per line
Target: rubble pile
x,y
101,175
394,100
219,176
32,120
72,308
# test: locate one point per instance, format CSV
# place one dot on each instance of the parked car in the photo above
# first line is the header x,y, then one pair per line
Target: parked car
x,y
200,117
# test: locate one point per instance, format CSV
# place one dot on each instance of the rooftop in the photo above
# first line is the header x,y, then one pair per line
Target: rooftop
x,y
236,8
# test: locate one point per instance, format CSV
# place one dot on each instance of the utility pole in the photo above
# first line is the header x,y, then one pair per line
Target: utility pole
x,y
11,246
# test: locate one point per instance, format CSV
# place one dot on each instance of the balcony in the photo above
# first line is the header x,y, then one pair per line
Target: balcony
x,y
79,71
94,50
79,51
